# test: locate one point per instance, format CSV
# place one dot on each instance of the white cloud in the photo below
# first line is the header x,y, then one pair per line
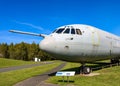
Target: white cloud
x,y
45,31
30,25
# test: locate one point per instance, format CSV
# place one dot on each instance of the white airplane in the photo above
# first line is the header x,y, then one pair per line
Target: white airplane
x,y
80,43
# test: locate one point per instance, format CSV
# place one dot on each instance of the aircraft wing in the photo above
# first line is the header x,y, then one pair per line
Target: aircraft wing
x,y
28,33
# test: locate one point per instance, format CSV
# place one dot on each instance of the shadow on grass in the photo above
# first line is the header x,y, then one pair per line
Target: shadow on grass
x,y
70,81
94,66
99,65
76,69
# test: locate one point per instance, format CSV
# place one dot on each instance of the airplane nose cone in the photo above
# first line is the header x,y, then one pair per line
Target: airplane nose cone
x,y
48,45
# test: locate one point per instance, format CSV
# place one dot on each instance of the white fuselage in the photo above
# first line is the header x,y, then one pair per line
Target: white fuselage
x,y
87,45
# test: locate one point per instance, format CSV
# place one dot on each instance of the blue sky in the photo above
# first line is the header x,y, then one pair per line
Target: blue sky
x,y
43,16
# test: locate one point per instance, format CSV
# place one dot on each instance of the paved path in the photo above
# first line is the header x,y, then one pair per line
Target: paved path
x,y
22,67
39,80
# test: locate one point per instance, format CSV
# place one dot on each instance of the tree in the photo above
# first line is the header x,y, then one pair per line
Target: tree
x,y
11,51
21,51
44,56
32,51
4,50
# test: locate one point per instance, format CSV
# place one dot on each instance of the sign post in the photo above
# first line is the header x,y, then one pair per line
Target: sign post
x,y
65,73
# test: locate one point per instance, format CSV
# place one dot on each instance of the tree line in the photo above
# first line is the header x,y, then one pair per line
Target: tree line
x,y
23,51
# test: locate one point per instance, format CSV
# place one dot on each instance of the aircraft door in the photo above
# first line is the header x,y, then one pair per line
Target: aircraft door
x,y
95,42
95,38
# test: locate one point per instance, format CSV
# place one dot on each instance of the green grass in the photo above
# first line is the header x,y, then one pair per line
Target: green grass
x,y
108,77
10,62
10,78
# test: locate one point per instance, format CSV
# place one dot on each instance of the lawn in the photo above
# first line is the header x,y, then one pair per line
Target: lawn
x,y
108,77
10,62
12,77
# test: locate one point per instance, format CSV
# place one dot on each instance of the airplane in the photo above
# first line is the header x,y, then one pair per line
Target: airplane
x,y
80,43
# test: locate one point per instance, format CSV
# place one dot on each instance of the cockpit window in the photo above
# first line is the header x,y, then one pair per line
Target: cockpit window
x,y
67,30
78,32
60,30
72,31
54,31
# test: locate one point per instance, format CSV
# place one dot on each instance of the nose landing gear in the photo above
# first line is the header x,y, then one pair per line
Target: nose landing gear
x,y
115,61
85,70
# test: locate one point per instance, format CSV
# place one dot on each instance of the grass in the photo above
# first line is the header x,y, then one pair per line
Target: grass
x,y
108,77
11,78
9,62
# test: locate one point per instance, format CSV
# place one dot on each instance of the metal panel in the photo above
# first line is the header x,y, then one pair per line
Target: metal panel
x,y
95,38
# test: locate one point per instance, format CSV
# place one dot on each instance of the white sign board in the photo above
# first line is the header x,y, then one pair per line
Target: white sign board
x,y
65,73
39,60
36,59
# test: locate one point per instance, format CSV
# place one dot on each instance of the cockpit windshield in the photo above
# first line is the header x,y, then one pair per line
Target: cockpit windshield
x,y
72,31
68,30
60,30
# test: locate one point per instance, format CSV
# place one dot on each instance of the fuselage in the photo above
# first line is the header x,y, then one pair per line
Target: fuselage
x,y
81,43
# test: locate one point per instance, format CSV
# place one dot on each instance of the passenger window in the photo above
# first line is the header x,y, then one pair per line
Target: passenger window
x,y
60,30
67,31
72,31
78,32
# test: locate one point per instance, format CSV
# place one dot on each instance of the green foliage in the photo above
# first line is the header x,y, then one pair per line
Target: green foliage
x,y
11,51
4,50
22,51
33,50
